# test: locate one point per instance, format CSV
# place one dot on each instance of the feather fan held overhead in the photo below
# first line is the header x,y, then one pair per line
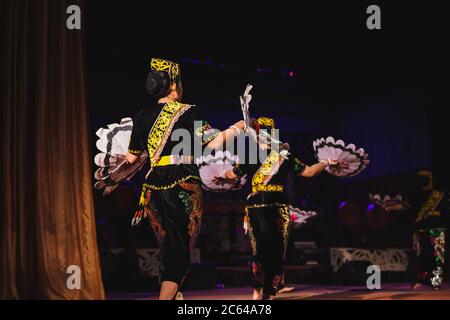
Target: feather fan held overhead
x,y
113,146
260,136
328,148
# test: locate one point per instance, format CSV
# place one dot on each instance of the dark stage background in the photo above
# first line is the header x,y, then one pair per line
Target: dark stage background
x,y
316,69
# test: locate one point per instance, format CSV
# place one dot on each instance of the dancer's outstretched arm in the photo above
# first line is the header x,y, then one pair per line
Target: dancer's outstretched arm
x,y
315,169
227,134
216,143
307,172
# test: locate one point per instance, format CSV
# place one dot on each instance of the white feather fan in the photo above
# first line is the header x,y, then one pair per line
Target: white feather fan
x,y
213,165
299,217
328,148
113,146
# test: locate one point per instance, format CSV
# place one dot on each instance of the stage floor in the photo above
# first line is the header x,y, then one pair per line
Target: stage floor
x,y
308,292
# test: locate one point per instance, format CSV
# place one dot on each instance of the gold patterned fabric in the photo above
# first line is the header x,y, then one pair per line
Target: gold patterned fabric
x,y
134,152
175,216
172,68
429,258
283,223
194,209
429,208
266,171
264,205
174,160
266,122
162,129
268,188
206,133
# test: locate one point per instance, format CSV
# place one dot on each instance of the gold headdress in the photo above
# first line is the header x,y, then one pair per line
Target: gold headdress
x,y
266,122
425,173
172,68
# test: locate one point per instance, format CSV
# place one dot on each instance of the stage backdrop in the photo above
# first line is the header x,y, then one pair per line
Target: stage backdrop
x,y
47,218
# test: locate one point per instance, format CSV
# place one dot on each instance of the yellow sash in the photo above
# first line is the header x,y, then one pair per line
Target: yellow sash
x,y
162,128
267,170
428,209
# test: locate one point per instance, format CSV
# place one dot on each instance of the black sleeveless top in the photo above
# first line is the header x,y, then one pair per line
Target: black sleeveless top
x,y
197,130
280,178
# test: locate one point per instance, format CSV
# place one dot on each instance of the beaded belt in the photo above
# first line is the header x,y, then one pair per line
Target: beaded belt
x,y
174,159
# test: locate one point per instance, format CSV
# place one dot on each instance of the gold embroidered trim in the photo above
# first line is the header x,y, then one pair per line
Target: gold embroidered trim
x,y
206,130
172,68
267,122
199,132
299,166
141,212
429,207
210,138
264,205
195,216
135,152
268,188
162,128
267,170
169,186
283,224
174,160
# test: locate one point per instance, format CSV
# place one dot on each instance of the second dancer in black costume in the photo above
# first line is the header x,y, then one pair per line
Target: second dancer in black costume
x,y
267,214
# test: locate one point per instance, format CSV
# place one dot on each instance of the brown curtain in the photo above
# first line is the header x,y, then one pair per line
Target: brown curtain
x,y
47,218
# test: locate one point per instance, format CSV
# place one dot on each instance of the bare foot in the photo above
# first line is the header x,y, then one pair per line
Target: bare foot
x,y
168,290
417,285
257,294
179,296
286,290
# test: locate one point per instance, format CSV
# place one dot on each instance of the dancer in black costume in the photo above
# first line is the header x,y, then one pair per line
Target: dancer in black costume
x,y
429,235
171,195
267,215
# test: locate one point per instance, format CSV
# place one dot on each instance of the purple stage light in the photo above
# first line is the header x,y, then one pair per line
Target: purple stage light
x,y
370,207
291,74
342,204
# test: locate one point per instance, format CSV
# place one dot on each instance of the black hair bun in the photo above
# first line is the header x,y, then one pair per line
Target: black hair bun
x,y
158,84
